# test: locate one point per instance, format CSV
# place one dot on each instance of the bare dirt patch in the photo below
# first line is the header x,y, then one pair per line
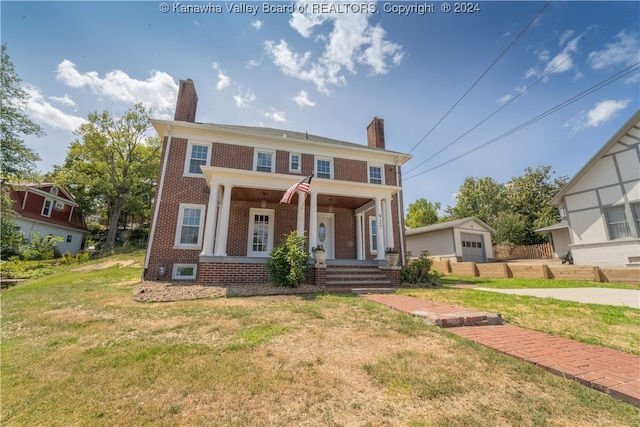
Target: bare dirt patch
x,y
166,292
106,264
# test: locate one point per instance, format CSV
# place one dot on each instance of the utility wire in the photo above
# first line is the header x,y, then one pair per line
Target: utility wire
x,y
481,77
597,36
592,89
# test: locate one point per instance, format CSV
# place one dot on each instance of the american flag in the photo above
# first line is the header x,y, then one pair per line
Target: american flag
x,y
302,185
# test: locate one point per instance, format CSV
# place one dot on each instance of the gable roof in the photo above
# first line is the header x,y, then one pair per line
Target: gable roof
x,y
450,224
18,192
634,121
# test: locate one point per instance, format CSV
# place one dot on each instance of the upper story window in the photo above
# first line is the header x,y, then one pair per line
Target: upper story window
x,y
198,154
264,161
324,167
375,175
562,212
295,162
53,191
617,222
47,207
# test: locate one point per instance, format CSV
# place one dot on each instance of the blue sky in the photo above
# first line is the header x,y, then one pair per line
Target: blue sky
x,y
330,73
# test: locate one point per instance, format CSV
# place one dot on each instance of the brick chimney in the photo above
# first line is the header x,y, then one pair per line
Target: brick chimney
x,y
187,102
375,133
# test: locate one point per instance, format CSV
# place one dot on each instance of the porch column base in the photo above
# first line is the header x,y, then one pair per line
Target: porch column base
x,y
393,274
319,275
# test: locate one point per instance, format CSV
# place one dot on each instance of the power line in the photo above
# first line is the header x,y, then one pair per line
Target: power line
x,y
481,77
544,76
552,110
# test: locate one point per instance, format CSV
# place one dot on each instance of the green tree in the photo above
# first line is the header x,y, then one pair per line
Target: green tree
x,y
113,166
421,213
480,197
529,195
511,227
17,161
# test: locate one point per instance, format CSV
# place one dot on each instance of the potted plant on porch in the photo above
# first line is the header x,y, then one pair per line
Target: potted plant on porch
x,y
319,254
392,256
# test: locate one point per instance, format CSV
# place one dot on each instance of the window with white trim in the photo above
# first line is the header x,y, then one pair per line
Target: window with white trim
x,y
324,167
373,235
264,161
190,226
198,154
47,207
375,174
184,271
295,161
617,222
260,232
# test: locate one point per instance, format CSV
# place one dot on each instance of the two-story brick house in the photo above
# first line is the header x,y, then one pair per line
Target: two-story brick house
x,y
217,212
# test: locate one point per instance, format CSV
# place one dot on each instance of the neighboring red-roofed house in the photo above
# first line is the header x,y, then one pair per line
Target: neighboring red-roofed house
x,y
49,209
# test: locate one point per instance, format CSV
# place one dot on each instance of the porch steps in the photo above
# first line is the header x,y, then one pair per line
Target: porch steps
x,y
357,279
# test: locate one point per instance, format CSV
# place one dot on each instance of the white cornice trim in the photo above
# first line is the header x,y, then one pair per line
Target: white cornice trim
x,y
211,132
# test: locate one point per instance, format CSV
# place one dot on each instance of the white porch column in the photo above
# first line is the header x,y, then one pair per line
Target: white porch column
x,y
210,221
223,224
313,219
359,240
380,230
301,210
388,223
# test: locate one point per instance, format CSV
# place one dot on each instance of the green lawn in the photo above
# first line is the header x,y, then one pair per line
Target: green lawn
x,y
78,350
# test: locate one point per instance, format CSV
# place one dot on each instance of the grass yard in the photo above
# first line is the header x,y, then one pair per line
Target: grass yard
x,y
605,325
77,350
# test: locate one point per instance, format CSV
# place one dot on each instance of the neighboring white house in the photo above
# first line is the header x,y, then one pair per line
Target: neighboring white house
x,y
467,239
601,203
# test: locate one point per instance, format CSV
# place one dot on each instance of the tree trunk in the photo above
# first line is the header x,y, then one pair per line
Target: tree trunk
x,y
114,219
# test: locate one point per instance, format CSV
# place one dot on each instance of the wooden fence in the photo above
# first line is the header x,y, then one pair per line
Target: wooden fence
x,y
541,251
497,270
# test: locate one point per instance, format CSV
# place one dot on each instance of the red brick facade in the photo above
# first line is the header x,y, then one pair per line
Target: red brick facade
x,y
175,187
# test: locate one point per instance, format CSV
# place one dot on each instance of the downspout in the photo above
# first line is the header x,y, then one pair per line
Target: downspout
x,y
400,216
152,232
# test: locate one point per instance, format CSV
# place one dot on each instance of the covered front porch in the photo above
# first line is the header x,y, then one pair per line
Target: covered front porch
x,y
244,220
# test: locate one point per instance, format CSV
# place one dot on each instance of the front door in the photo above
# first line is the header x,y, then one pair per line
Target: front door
x,y
325,233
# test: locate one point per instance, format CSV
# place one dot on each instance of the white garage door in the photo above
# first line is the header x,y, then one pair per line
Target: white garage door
x,y
472,248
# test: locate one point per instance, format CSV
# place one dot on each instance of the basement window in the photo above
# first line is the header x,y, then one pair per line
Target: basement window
x,y
184,271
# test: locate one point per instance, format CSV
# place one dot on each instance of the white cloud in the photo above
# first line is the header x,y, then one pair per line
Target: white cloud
x,y
302,99
42,111
278,116
65,101
625,51
243,99
503,100
605,111
351,42
563,61
158,92
564,37
223,80
257,24
601,113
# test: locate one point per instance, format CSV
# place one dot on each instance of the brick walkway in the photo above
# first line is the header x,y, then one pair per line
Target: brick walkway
x,y
610,371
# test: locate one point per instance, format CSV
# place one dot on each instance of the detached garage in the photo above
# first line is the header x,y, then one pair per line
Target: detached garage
x,y
462,240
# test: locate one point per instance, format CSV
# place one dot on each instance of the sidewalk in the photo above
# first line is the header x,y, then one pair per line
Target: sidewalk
x,y
609,371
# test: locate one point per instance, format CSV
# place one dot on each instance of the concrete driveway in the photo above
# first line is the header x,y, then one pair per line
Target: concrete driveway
x,y
605,296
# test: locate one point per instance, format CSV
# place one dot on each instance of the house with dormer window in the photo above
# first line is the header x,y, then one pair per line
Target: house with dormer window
x,y
218,211
49,210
